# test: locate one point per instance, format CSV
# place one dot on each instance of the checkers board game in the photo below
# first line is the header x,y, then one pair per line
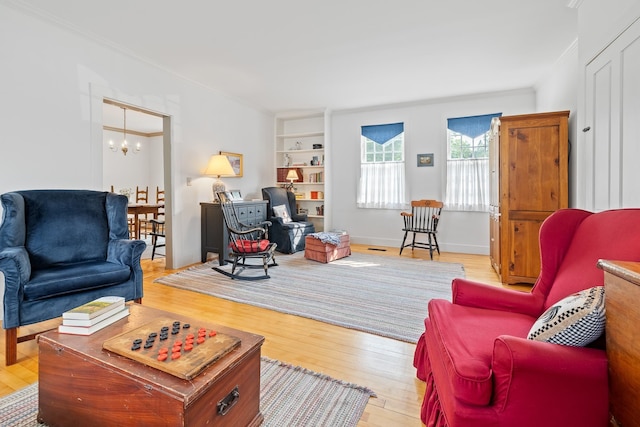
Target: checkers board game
x,y
178,348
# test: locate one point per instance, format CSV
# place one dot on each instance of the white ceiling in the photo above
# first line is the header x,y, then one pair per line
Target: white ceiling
x,y
284,55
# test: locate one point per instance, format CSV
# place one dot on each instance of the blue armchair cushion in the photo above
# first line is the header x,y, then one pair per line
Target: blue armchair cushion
x,y
65,279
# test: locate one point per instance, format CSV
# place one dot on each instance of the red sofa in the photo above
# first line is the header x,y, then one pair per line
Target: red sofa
x,y
479,366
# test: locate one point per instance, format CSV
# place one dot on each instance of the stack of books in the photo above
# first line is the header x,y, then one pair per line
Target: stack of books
x,y
93,316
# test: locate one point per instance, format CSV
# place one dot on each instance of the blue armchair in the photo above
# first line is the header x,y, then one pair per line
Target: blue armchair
x,y
60,249
288,229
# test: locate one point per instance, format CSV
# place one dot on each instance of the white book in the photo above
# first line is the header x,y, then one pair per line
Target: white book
x,y
88,330
90,322
95,308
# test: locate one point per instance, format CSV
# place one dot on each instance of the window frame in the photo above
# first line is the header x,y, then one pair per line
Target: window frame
x,y
382,180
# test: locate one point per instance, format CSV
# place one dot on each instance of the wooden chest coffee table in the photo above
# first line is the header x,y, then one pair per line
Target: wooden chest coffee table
x,y
80,383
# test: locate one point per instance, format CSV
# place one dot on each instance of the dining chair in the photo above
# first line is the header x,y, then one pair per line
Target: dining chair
x,y
157,236
157,225
142,196
160,201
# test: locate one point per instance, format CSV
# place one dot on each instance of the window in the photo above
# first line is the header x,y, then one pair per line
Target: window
x,y
382,170
468,163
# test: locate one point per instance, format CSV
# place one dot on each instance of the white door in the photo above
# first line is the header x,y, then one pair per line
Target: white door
x,y
612,142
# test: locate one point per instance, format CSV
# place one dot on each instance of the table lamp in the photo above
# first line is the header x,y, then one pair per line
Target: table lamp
x,y
292,175
218,166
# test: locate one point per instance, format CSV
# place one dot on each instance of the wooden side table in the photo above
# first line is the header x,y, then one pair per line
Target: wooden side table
x,y
622,293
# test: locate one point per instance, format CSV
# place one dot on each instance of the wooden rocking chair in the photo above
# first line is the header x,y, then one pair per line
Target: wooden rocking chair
x,y
246,241
423,219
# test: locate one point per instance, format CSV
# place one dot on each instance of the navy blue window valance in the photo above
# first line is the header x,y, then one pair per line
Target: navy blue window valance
x,y
472,126
382,133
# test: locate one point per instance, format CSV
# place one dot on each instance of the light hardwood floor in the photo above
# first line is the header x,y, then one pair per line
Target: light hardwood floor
x,y
382,364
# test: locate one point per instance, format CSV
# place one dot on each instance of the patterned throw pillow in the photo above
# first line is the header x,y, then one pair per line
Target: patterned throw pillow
x,y
281,212
576,320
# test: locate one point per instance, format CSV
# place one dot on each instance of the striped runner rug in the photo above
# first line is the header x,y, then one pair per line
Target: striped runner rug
x,y
289,396
382,295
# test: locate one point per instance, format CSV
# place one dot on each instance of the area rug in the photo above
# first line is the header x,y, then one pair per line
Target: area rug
x,y
289,396
382,295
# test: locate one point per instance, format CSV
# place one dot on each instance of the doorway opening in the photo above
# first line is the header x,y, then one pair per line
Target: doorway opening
x,y
136,150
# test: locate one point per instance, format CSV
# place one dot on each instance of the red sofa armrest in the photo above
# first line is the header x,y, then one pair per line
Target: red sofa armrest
x,y
535,382
480,295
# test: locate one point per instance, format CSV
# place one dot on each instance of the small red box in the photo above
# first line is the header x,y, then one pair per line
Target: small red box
x,y
325,252
314,194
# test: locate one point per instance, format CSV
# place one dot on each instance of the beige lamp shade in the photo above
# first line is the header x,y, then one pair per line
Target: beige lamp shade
x,y
292,175
218,166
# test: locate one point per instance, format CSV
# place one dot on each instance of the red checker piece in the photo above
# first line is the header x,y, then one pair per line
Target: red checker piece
x,y
162,357
200,340
177,343
212,333
189,337
188,347
163,350
175,355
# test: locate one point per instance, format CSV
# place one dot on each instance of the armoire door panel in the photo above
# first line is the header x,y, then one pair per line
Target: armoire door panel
x,y
534,169
524,253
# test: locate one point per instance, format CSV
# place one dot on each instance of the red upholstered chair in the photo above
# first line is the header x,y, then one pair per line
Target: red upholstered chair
x,y
480,368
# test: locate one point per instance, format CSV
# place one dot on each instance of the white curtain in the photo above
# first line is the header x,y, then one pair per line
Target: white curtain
x,y
382,186
467,185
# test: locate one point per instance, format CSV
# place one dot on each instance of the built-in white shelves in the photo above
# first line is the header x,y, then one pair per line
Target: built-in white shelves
x,y
300,144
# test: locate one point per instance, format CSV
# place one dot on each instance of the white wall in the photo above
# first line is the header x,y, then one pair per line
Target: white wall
x,y
425,127
51,83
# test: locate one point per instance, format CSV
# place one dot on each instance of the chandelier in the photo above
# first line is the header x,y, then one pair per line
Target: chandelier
x,y
124,147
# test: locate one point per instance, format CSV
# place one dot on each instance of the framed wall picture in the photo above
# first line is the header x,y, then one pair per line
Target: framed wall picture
x,y
236,162
425,160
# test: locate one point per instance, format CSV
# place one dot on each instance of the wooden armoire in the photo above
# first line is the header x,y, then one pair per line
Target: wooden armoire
x,y
529,173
